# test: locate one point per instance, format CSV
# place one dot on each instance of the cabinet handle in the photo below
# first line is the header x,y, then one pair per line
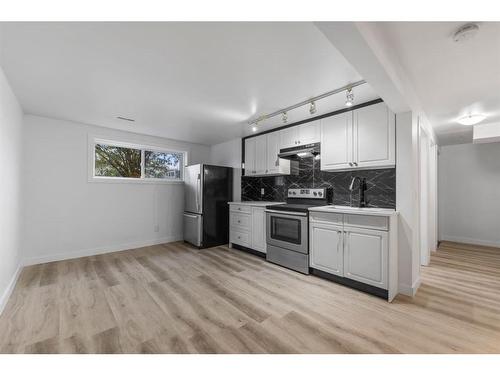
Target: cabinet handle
x,y
239,208
350,164
239,221
298,142
277,162
266,170
356,164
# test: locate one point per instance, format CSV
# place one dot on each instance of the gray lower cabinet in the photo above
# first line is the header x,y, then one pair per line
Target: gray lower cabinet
x,y
365,256
327,248
355,247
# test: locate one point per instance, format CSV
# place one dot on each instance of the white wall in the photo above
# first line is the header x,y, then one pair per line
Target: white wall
x,y
11,131
228,154
407,204
67,216
469,193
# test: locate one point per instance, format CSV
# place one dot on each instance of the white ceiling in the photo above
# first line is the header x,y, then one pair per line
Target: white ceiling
x,y
199,82
451,79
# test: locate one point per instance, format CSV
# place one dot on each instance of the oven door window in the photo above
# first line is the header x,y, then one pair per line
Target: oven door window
x,y
286,229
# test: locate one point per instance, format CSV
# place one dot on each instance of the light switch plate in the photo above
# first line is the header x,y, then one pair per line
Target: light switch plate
x,y
262,191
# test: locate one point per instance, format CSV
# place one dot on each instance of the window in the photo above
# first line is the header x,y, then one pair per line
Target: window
x,y
129,162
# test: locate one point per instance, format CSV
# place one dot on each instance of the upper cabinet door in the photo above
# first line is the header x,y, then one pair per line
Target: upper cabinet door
x,y
261,154
336,142
250,157
273,149
288,137
308,133
374,136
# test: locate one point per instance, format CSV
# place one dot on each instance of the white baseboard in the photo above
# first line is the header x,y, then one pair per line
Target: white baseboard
x,y
99,250
472,241
408,290
10,288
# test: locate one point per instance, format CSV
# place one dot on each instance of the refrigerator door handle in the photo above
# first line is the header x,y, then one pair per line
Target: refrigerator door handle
x,y
191,216
198,188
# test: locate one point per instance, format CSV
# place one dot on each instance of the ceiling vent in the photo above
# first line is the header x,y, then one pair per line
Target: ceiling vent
x,y
465,32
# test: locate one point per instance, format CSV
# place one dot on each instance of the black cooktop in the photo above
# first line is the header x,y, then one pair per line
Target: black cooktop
x,y
293,207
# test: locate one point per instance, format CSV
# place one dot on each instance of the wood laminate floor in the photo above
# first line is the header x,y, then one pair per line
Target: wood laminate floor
x,y
175,299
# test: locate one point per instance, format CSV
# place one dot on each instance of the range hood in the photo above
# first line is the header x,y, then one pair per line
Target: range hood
x,y
300,152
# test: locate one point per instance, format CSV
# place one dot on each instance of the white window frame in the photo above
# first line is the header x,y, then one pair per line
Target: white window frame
x,y
94,140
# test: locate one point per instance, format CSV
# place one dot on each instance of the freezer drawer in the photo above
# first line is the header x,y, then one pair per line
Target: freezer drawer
x,y
193,225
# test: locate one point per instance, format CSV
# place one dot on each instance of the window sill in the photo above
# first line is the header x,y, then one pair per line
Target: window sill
x,y
124,180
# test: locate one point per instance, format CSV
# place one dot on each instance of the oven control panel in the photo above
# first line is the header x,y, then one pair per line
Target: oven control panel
x,y
307,193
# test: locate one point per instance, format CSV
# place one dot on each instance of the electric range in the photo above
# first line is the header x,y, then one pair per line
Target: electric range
x,y
287,228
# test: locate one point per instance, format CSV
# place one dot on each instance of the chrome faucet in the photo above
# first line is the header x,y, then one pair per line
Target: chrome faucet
x,y
362,188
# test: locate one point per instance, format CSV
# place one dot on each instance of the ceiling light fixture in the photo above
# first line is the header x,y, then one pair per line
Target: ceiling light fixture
x,y
349,97
284,117
471,119
254,128
312,108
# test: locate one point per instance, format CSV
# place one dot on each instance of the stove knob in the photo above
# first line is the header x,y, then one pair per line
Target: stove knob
x,y
315,193
320,193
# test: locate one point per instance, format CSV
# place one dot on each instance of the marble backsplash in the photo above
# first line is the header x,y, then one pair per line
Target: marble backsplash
x,y
381,185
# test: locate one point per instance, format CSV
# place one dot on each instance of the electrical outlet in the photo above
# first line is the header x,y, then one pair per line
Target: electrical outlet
x,y
157,228
262,191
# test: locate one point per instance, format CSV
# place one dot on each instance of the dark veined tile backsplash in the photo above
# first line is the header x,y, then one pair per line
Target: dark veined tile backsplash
x,y
381,185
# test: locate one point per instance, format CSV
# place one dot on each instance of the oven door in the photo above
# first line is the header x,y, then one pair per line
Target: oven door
x,y
287,230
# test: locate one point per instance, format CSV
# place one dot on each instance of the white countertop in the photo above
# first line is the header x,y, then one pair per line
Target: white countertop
x,y
256,203
373,211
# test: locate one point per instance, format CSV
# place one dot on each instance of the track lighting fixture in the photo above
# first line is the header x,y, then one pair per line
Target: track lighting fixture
x,y
312,108
284,117
311,102
349,97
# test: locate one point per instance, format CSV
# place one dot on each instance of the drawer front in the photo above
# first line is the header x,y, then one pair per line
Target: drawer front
x,y
239,237
326,217
367,221
241,220
240,208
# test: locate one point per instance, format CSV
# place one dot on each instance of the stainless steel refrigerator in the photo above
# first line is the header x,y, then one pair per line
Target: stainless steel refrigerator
x,y
208,189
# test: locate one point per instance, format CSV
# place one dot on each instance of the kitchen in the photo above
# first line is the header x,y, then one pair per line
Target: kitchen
x,y
203,188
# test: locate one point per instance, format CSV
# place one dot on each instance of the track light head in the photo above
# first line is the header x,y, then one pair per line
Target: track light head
x,y
349,97
284,117
312,108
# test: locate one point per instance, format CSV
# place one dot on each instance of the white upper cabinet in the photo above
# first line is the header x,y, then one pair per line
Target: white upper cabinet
x,y
250,157
336,142
309,133
275,165
261,156
300,135
363,138
288,137
374,136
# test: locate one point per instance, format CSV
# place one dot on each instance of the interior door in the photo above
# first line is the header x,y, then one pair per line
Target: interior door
x,y
336,142
192,189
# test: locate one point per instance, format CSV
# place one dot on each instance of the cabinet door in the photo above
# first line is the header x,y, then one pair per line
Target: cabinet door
x,y
365,256
288,137
260,154
250,157
336,142
258,229
374,136
273,149
309,133
326,246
